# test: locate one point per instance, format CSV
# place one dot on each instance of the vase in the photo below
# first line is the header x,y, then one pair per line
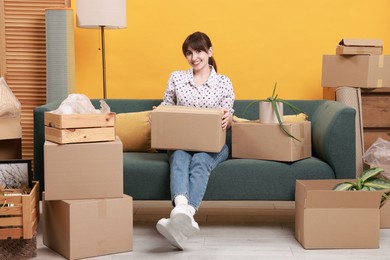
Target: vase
x,y
267,113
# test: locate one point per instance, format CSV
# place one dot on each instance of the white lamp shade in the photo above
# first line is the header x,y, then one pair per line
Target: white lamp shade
x,y
96,13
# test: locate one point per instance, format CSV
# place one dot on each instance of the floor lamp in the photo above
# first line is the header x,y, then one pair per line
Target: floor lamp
x,y
101,14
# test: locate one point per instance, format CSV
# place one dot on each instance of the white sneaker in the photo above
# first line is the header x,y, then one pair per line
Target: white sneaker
x,y
182,220
174,236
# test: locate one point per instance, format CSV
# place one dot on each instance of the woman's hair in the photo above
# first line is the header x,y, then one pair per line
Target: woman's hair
x,y
200,42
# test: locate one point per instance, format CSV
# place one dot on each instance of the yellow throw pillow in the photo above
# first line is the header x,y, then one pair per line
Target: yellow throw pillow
x,y
295,118
134,131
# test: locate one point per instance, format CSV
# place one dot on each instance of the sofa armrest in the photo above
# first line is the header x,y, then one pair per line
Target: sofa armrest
x,y
39,140
333,137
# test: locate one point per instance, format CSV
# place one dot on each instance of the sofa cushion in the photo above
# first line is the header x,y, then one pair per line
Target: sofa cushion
x,y
134,131
247,179
146,175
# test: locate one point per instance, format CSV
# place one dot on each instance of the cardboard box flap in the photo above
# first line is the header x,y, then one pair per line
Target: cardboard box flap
x,y
361,42
320,194
342,199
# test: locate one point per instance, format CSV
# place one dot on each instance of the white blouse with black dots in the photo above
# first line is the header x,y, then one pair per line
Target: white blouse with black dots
x,y
216,92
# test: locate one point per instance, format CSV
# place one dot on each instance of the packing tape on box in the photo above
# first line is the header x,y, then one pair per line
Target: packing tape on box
x,y
381,60
379,83
352,97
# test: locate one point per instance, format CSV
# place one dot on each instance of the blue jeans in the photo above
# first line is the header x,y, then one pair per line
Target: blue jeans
x,y
190,173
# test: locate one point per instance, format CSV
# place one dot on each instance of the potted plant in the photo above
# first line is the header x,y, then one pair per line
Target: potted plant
x,y
368,180
275,104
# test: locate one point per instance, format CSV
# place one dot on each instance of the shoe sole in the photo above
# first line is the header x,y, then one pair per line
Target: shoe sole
x,y
183,222
165,233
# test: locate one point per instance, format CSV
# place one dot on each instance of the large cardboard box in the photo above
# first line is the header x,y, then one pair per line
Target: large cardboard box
x,y
362,71
86,228
79,128
10,138
254,140
187,128
83,170
360,46
336,219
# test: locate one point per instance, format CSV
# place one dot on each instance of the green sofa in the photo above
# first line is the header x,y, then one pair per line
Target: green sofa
x,y
146,175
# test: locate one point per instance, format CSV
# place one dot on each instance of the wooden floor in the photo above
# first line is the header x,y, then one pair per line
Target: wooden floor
x,y
229,230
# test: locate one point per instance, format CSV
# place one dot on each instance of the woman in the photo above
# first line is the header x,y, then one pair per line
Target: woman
x,y
200,86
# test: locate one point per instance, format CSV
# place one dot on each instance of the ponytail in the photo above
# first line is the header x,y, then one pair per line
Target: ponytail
x,y
213,63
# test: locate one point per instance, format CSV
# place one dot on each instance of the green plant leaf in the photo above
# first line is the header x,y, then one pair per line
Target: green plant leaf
x,y
274,99
275,107
370,173
378,184
273,92
345,186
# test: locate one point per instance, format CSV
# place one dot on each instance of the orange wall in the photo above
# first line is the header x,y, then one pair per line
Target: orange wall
x,y
256,43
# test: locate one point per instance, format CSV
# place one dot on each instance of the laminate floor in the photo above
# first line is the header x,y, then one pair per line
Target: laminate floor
x,y
229,230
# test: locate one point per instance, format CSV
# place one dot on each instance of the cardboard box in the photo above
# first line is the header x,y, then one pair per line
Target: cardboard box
x,y
84,170
22,217
335,219
187,128
360,46
10,138
254,140
77,128
86,228
362,71
10,128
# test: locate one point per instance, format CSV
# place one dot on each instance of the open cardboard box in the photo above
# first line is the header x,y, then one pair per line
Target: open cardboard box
x,y
336,219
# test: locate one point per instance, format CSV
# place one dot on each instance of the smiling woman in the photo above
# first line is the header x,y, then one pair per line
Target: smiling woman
x,y
259,43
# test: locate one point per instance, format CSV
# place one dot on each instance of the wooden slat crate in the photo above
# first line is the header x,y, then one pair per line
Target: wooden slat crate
x,y
77,128
19,213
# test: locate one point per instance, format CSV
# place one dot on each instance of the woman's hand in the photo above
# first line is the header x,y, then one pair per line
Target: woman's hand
x,y
226,119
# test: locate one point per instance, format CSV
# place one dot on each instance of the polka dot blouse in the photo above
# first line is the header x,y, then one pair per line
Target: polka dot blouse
x,y
216,92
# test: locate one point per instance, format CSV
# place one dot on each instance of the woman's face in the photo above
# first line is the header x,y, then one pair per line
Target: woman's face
x,y
198,59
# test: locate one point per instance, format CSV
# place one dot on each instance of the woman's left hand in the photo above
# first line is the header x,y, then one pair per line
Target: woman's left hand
x,y
226,119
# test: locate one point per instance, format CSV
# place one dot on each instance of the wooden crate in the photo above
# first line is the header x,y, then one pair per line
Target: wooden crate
x,y
76,128
20,220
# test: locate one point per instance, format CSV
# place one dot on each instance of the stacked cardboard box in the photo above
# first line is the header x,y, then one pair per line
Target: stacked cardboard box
x,y
85,211
10,138
357,63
